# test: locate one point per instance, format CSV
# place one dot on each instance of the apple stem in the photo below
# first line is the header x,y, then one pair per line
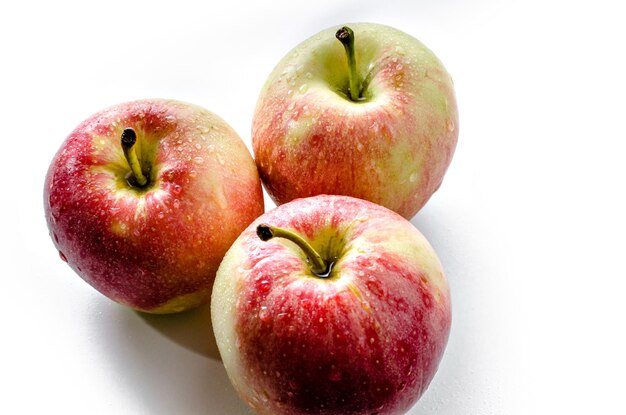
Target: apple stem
x,y
129,138
316,263
346,36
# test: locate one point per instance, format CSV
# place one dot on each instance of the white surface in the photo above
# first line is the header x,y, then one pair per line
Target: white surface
x,y
529,222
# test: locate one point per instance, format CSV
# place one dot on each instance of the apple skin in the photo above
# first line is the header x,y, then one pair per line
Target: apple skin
x,y
155,249
367,340
393,148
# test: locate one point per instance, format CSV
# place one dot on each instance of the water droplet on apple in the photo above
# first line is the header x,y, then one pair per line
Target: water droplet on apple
x,y
198,146
62,256
198,160
176,203
161,215
264,285
359,146
303,88
176,189
264,314
334,375
192,173
399,67
329,128
291,106
413,177
451,126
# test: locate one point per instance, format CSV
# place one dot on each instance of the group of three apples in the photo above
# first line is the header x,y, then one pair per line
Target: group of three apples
x,y
326,304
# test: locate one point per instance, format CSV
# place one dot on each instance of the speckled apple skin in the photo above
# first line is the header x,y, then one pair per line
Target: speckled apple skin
x,y
155,249
367,340
392,149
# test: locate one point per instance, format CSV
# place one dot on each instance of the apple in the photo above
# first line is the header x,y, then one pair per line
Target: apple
x,y
372,116
330,305
144,198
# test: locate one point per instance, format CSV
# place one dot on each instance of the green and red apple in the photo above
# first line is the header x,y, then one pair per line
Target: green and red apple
x,y
331,305
372,115
144,198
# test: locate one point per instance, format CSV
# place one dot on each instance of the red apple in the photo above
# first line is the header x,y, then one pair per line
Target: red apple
x,y
331,305
144,198
376,119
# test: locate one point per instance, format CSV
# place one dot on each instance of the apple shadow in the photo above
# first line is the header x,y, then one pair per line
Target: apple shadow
x,y
164,364
191,329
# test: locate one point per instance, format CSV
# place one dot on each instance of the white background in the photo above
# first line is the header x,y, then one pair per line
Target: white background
x,y
529,222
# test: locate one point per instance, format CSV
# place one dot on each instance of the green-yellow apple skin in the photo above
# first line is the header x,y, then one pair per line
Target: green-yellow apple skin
x,y
366,339
392,147
154,248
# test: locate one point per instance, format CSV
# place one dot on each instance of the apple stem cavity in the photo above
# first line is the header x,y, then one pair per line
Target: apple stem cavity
x,y
129,138
317,265
346,36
